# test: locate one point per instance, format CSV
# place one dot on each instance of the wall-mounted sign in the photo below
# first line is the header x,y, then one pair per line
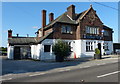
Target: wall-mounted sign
x,y
92,37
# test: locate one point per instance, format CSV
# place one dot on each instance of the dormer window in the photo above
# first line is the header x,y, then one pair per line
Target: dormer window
x,y
66,29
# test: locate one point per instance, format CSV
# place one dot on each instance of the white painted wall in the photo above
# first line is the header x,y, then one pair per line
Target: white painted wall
x,y
35,51
50,55
10,51
110,47
95,42
47,55
79,49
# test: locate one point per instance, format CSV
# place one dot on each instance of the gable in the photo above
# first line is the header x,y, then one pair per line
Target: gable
x,y
92,16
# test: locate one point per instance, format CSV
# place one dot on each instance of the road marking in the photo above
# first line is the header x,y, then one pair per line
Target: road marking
x,y
61,70
5,79
64,70
67,69
103,63
108,74
37,74
86,66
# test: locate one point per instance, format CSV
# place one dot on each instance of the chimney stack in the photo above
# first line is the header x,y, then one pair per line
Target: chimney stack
x,y
51,17
71,12
17,35
10,33
27,35
43,18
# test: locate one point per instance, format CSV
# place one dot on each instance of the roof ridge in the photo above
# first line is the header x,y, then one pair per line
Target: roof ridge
x,y
86,12
54,20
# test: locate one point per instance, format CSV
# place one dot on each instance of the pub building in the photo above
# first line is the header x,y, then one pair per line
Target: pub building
x,y
82,31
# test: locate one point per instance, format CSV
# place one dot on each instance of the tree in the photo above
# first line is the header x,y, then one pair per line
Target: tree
x,y
62,50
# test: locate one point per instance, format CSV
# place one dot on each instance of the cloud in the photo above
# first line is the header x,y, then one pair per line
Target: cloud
x,y
35,27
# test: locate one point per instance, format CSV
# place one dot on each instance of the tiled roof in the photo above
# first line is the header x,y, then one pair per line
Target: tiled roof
x,y
44,37
26,40
64,18
106,27
22,40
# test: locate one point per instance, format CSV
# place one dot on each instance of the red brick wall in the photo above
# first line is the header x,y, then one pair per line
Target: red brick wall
x,y
59,35
87,22
78,30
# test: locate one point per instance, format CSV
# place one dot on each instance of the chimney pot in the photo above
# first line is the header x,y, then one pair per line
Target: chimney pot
x,y
10,33
27,35
17,35
51,17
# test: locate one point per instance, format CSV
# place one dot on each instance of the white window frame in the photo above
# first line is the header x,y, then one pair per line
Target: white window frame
x,y
89,47
92,30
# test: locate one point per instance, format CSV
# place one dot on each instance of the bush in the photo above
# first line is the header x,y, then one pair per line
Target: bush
x,y
97,51
61,49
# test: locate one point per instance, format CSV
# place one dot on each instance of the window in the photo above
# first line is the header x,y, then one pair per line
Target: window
x,y
97,30
92,30
105,46
89,46
87,29
106,33
47,48
66,29
69,43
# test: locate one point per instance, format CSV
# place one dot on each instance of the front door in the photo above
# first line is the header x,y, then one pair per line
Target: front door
x,y
99,47
17,53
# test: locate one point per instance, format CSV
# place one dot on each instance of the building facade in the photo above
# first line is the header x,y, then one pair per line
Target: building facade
x,y
83,32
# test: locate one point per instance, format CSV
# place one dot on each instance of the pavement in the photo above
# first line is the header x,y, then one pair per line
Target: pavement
x,y
15,69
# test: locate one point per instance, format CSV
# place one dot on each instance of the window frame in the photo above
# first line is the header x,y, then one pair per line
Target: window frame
x,y
66,29
89,47
47,49
106,47
92,30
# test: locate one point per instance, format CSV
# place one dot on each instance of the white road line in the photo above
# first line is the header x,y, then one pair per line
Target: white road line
x,y
9,78
61,70
103,63
64,70
108,74
67,69
86,66
37,74
5,79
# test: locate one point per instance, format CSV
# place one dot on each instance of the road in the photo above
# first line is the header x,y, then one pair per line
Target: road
x,y
101,73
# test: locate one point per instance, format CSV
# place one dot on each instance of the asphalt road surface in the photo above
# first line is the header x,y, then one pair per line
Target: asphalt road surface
x,y
102,73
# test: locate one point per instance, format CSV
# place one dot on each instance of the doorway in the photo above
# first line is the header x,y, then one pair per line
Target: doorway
x,y
99,47
17,53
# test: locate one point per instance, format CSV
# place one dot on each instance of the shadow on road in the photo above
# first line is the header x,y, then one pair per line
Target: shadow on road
x,y
24,66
